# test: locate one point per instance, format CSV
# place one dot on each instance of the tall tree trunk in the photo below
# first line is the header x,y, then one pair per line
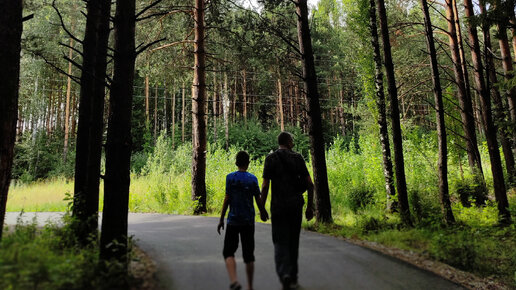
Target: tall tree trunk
x,y
155,112
164,123
322,193
90,128
500,116
280,105
244,94
466,108
183,113
113,239
173,117
401,182
508,71
380,104
147,117
512,20
214,106
10,47
442,164
198,112
225,107
489,126
67,106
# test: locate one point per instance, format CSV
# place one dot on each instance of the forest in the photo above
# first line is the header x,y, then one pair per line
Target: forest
x,y
403,110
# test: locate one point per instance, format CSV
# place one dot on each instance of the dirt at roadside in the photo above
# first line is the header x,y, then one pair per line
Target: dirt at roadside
x,y
142,270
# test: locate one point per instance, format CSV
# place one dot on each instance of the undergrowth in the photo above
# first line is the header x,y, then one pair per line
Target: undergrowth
x,y
49,257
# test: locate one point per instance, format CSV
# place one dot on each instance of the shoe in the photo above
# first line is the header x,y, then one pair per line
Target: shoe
x,y
293,283
285,281
235,286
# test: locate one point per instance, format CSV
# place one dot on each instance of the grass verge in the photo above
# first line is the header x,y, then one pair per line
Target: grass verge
x,y
49,257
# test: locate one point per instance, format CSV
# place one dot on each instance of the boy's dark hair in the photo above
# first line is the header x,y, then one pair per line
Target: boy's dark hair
x,y
242,159
284,137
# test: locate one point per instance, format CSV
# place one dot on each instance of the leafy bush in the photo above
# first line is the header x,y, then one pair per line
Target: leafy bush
x,y
456,249
358,198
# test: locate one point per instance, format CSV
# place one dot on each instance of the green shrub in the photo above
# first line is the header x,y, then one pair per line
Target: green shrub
x,y
456,249
358,198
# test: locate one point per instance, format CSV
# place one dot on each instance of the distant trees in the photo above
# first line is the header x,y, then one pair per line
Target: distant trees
x,y
10,47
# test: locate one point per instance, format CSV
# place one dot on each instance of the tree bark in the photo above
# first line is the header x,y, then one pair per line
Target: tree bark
x,y
214,106
500,116
399,162
155,112
466,108
323,204
113,240
183,113
244,94
173,118
442,164
147,117
198,112
67,105
90,128
225,107
489,126
380,104
280,105
508,71
10,48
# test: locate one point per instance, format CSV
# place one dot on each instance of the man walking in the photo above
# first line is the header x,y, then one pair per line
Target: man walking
x,y
287,171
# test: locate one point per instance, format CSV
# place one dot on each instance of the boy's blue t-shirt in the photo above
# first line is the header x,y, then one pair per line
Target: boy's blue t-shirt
x,y
240,189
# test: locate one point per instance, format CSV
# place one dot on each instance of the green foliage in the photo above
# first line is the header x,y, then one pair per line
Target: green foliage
x,y
38,156
49,257
456,249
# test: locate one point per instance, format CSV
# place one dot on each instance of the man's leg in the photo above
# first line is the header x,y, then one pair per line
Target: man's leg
x,y
296,218
280,238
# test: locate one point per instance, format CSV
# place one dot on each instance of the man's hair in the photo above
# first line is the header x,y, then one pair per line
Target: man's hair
x,y
284,137
242,159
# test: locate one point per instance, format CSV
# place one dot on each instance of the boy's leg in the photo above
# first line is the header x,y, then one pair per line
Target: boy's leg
x,y
247,238
231,267
230,246
249,269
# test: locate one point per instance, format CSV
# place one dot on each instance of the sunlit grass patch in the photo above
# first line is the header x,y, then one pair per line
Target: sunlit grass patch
x,y
39,196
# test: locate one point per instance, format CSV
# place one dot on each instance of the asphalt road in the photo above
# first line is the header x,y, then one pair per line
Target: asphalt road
x,y
188,253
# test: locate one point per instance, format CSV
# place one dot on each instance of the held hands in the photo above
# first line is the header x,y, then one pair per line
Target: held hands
x,y
309,213
264,216
220,226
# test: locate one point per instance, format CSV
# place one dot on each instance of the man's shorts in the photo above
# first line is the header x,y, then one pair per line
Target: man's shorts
x,y
246,233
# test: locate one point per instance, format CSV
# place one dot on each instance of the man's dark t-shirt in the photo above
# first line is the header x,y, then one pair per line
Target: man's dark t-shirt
x,y
281,167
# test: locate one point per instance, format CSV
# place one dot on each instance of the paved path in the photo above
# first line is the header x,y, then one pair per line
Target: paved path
x,y
188,252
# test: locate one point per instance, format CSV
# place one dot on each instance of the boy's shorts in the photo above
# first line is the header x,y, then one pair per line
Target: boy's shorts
x,y
231,241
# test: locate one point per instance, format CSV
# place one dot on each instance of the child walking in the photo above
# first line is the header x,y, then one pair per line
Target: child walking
x,y
241,186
